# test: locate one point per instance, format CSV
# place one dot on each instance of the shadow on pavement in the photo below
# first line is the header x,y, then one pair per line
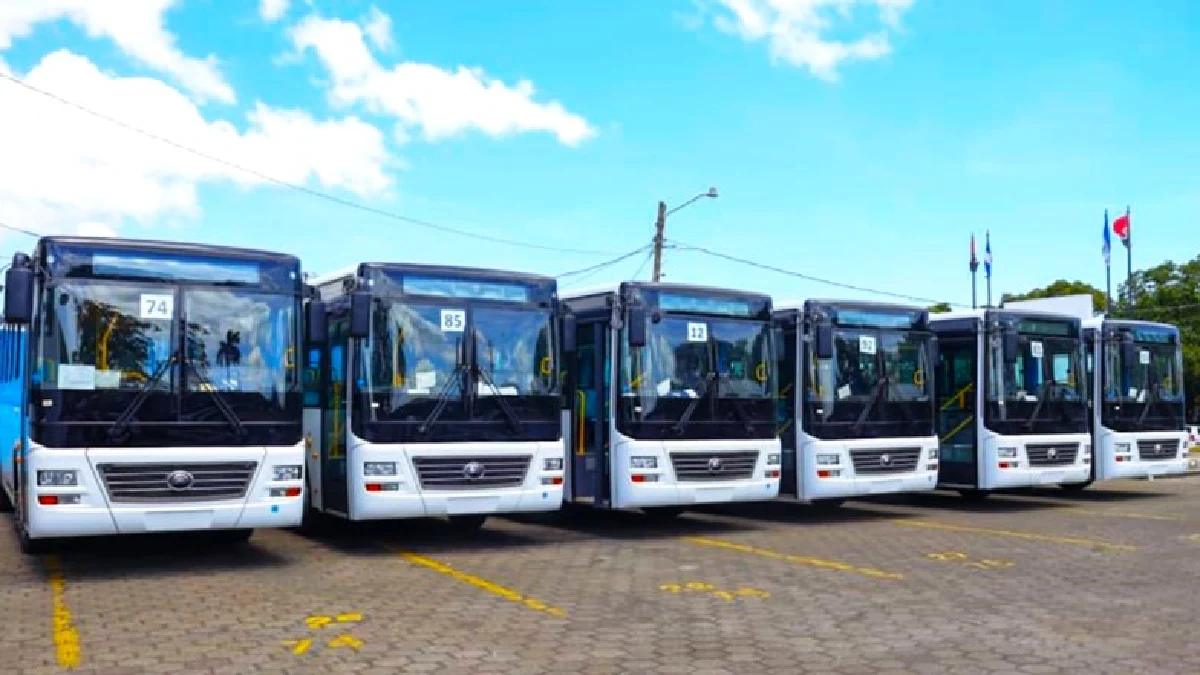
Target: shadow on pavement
x,y
148,555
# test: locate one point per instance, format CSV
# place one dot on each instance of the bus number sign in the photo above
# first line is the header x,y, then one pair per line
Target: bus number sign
x,y
157,306
454,320
697,332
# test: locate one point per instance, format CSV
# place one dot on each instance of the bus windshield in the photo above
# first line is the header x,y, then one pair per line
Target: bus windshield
x,y
119,336
417,357
1144,393
877,384
1039,391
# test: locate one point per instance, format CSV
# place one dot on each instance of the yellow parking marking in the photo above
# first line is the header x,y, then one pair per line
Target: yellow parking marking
x,y
1121,514
702,587
795,559
483,584
960,557
317,622
66,638
1032,536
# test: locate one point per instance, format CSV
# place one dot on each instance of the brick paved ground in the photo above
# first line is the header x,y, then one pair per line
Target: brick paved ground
x,y
1104,581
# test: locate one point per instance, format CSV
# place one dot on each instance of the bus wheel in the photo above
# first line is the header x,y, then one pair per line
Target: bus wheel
x,y
1076,487
467,523
31,546
974,495
829,504
662,514
5,503
233,537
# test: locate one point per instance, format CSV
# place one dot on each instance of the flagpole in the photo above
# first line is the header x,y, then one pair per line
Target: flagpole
x,y
974,274
1107,268
1129,259
988,270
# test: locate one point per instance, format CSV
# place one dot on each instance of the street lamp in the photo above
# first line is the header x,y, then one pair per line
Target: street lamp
x,y
661,224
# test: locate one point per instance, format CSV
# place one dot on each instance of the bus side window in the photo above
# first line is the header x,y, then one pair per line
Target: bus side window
x,y
312,378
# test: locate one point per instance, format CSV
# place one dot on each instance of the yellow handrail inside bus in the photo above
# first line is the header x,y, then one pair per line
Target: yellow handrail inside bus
x,y
579,446
960,396
965,423
102,346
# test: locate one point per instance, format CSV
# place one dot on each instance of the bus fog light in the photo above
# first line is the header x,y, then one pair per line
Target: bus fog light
x,y
552,480
773,459
823,459
58,477
290,472
285,492
552,464
643,462
379,468
643,478
382,487
1006,453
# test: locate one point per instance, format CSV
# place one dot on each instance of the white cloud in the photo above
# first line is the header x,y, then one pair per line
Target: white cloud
x,y
272,10
378,27
65,171
796,30
439,103
136,26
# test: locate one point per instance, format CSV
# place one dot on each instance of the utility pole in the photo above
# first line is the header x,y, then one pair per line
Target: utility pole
x,y
659,225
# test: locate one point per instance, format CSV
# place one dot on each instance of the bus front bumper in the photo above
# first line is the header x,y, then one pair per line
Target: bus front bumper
x,y
77,520
817,488
1144,469
1034,477
385,505
649,495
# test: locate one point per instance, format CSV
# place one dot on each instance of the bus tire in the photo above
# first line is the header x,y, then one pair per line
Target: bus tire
x,y
829,504
468,523
662,514
30,546
234,537
6,505
974,495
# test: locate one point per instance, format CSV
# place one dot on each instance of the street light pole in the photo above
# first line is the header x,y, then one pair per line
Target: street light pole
x,y
660,225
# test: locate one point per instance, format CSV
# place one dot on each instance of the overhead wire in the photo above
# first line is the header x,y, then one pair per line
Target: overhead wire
x,y
349,203
607,263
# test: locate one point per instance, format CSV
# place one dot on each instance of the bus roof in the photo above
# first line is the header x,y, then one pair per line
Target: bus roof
x,y
798,305
983,312
615,288
1099,321
160,246
424,268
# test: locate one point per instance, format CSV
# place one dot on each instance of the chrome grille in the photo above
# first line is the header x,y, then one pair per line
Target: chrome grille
x,y
447,473
711,466
1154,449
1051,454
149,482
885,460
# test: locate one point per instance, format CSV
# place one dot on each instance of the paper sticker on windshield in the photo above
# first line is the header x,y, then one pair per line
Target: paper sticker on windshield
x,y
697,332
156,306
1035,349
76,376
866,344
454,320
1144,357
843,391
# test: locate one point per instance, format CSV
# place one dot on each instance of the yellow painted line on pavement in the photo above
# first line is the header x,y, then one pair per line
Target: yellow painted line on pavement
x,y
794,559
1121,514
483,584
66,638
1016,534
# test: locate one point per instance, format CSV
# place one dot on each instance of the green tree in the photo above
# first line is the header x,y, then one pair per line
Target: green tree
x,y
1058,289
940,307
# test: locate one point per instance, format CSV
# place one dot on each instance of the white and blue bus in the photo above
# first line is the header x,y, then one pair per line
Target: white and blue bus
x,y
1135,380
672,390
158,392
433,391
856,400
1012,400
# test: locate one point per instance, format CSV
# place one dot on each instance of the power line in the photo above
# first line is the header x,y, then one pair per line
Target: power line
x,y
349,203
649,256
607,263
18,230
807,277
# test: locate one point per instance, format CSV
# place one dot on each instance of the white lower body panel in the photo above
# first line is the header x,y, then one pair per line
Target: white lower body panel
x,y
96,514
662,485
1117,455
540,489
1003,472
864,467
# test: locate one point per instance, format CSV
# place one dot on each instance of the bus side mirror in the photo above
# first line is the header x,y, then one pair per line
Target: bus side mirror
x,y
18,295
824,341
360,314
568,333
1012,348
637,327
314,320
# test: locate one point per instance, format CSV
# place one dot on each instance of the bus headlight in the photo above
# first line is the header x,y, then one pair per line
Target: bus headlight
x,y
824,459
1006,453
1121,448
932,454
643,462
58,477
379,468
291,472
773,459
552,464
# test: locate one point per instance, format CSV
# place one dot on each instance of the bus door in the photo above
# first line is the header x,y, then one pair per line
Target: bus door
x,y
589,426
334,495
957,423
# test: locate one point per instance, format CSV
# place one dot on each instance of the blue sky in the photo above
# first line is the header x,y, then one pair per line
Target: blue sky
x,y
1026,117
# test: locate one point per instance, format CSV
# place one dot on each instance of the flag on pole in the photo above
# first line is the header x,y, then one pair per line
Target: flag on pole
x,y
974,260
1107,250
987,254
1121,227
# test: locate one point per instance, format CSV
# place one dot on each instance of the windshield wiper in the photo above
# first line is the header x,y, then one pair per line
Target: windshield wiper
x,y
875,396
235,423
1152,397
513,420
1043,393
442,399
121,425
740,410
691,408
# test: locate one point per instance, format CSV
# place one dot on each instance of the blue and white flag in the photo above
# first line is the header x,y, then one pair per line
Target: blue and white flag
x,y
987,255
1107,241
